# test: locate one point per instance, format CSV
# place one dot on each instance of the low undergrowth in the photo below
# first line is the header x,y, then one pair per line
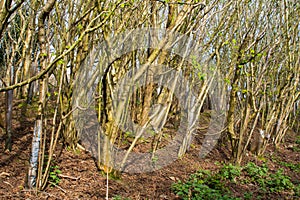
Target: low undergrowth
x,y
205,184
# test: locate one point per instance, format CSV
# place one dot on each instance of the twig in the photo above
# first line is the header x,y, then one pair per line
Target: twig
x,y
70,177
182,3
106,185
8,184
4,174
81,147
64,191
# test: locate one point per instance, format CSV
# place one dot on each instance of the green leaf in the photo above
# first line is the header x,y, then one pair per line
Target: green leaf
x,y
79,27
43,54
60,62
227,80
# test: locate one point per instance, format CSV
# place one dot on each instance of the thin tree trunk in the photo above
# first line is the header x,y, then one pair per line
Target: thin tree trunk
x,y
39,138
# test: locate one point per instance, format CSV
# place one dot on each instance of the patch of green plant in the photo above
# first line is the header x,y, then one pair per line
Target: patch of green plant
x,y
200,191
296,149
268,182
293,167
257,174
154,159
76,150
297,191
298,140
53,175
54,171
128,134
230,172
278,182
248,195
256,171
205,185
22,104
211,180
118,197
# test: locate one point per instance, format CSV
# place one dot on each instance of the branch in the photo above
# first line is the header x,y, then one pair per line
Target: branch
x,y
6,13
182,3
16,7
51,65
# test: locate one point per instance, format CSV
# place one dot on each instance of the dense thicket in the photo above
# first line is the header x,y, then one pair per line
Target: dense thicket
x,y
253,45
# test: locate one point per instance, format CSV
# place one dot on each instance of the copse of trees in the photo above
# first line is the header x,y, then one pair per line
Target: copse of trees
x,y
254,45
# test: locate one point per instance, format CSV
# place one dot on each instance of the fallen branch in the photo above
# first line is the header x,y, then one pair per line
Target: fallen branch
x,y
70,177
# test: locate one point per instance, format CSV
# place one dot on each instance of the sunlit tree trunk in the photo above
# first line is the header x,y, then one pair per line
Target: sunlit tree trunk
x,y
39,139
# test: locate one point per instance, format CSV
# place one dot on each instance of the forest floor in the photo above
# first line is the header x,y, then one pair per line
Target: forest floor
x,y
80,178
